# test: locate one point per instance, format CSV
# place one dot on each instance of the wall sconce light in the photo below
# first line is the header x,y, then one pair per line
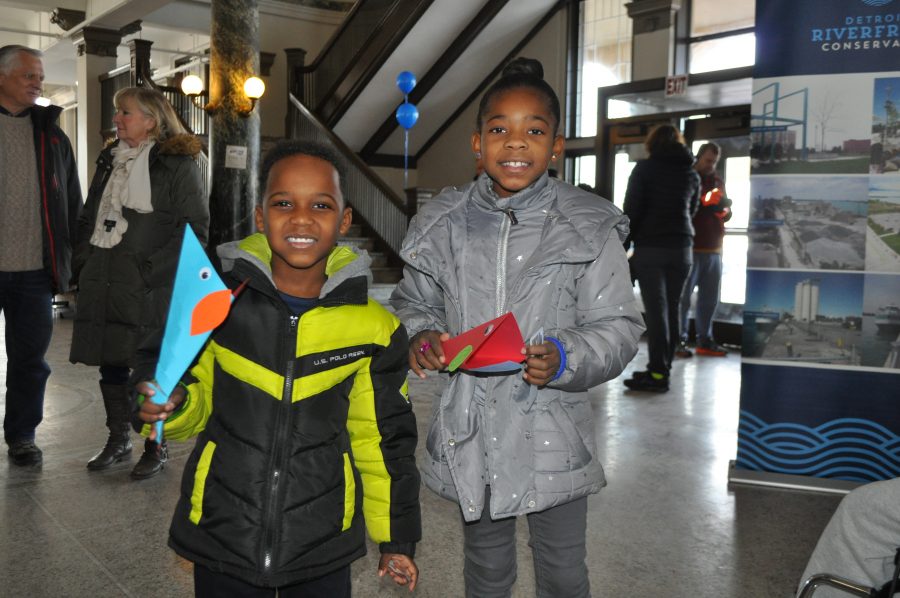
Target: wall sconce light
x,y
254,88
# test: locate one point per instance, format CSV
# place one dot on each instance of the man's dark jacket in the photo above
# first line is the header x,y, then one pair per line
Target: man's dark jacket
x,y
60,194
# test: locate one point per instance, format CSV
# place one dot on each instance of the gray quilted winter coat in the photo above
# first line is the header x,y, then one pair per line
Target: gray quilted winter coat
x,y
561,268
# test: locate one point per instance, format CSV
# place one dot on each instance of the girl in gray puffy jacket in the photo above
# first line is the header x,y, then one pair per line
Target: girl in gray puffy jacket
x,y
518,241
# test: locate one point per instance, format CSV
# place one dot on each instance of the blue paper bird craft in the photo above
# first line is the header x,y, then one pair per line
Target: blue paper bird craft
x,y
200,302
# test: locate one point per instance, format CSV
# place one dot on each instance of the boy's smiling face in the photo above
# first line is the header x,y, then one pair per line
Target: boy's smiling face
x,y
302,215
517,139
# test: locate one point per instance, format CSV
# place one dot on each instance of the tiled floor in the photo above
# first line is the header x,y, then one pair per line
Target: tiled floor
x,y
667,524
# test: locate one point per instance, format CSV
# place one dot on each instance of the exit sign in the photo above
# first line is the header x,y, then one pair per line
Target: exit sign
x,y
676,85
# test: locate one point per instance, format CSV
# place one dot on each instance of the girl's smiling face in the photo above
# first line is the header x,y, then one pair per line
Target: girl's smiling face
x,y
517,139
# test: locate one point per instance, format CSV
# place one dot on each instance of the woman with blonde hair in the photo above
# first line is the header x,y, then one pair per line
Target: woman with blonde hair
x,y
146,189
662,196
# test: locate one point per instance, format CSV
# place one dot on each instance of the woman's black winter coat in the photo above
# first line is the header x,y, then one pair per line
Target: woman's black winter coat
x,y
124,291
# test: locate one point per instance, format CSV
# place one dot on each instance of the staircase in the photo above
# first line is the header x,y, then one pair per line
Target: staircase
x,y
381,271
384,276
345,98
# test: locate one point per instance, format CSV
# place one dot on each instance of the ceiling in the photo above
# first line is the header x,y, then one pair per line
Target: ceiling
x,y
420,49
181,27
176,27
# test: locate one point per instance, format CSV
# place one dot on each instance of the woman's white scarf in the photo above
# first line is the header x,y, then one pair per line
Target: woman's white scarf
x,y
128,186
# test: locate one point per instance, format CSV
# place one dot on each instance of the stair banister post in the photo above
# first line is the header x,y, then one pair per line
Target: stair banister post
x,y
296,58
140,60
412,202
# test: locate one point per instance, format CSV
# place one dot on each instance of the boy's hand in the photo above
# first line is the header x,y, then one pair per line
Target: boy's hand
x,y
401,568
426,353
151,412
541,364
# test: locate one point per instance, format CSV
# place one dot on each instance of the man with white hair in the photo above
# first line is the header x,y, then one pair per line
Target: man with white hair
x,y
40,201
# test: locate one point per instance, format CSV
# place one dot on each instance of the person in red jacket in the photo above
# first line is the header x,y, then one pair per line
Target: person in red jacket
x,y
706,271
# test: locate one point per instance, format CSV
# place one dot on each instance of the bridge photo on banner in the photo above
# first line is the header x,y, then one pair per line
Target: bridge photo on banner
x,y
820,394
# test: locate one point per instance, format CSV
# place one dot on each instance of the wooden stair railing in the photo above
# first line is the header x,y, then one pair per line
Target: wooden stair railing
x,y
385,213
371,32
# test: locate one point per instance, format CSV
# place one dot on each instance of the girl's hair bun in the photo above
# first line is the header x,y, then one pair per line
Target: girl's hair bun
x,y
525,73
524,67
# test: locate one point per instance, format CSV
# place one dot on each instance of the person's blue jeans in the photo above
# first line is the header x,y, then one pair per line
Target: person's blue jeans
x,y
557,545
706,275
26,301
661,273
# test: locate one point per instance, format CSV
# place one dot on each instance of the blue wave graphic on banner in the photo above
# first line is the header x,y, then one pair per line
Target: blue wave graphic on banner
x,y
852,449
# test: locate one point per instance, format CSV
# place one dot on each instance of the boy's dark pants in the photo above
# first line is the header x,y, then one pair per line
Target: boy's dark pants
x,y
209,584
26,300
557,545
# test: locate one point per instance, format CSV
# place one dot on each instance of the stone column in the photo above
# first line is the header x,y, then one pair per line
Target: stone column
x,y
234,139
97,49
656,49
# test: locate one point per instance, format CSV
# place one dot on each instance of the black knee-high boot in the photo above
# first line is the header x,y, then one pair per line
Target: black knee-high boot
x,y
117,402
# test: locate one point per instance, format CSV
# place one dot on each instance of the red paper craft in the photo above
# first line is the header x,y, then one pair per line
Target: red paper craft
x,y
494,346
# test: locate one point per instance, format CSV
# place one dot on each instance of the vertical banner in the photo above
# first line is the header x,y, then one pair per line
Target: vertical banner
x,y
820,392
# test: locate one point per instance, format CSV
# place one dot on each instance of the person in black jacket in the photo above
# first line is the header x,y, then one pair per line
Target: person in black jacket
x,y
662,196
299,404
146,189
40,202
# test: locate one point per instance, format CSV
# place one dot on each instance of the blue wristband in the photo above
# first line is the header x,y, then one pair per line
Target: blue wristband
x,y
562,357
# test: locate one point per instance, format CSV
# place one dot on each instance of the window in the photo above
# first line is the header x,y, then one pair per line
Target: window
x,y
723,53
585,170
709,17
626,158
721,35
604,56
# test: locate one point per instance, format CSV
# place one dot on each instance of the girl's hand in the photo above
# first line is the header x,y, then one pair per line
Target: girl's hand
x,y
401,568
151,412
426,353
541,364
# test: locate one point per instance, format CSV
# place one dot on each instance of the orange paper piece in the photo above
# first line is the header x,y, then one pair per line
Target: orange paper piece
x,y
210,311
712,197
494,346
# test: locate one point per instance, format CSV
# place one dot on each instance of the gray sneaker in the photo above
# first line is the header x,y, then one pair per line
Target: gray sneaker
x,y
682,350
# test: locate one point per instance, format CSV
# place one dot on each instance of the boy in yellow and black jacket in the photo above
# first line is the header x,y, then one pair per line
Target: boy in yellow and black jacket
x,y
299,404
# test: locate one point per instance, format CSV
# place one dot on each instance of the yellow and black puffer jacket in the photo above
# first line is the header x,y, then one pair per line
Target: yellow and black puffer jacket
x,y
304,429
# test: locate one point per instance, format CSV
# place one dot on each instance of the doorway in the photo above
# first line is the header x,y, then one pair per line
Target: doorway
x,y
620,145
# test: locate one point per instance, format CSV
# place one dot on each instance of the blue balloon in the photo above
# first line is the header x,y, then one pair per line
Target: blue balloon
x,y
407,115
406,81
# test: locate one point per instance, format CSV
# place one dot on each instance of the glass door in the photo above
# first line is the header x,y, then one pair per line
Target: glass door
x,y
729,129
